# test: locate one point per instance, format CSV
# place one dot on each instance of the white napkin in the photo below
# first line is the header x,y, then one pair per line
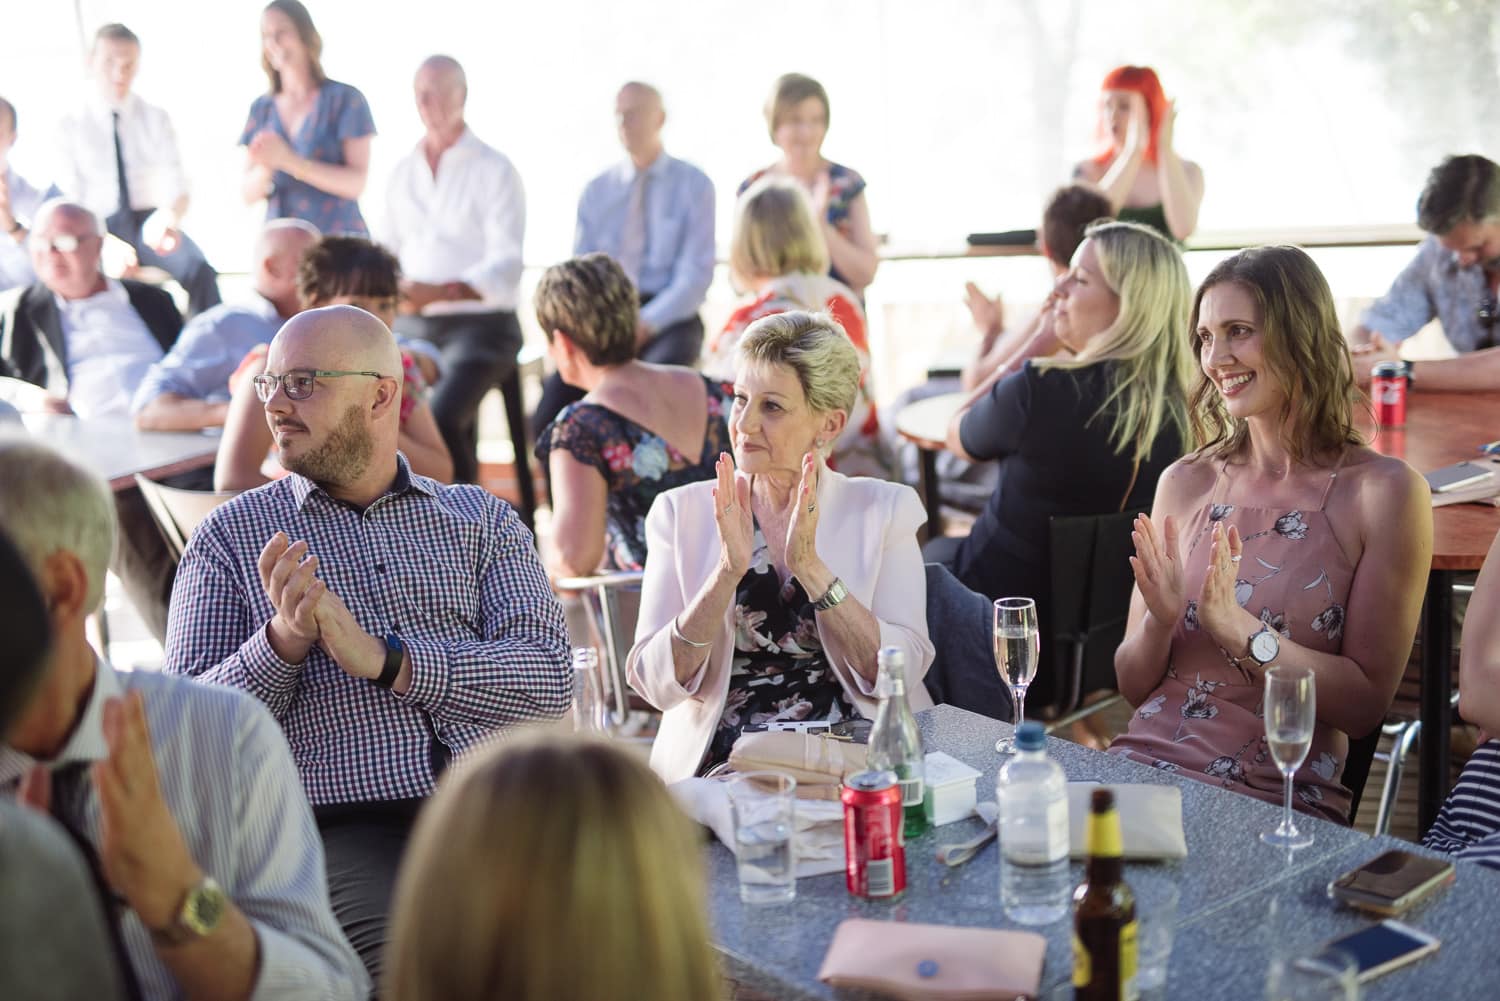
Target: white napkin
x,y
819,838
1150,819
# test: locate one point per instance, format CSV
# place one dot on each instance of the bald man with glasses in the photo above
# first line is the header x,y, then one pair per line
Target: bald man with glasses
x,y
390,623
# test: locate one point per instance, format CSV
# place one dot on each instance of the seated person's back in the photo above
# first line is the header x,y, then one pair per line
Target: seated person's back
x,y
641,430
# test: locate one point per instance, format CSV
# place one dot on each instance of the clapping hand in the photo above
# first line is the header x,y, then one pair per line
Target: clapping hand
x,y
269,150
289,575
1218,607
1138,129
988,314
821,191
802,525
733,518
359,654
140,845
1168,123
1157,565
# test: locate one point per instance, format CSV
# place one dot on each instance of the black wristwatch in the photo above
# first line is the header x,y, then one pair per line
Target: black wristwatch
x,y
395,653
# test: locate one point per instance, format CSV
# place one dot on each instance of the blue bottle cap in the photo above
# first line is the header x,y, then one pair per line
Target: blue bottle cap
x,y
927,969
1031,737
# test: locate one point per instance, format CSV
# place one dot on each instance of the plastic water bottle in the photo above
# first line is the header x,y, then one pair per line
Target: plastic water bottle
x,y
1032,791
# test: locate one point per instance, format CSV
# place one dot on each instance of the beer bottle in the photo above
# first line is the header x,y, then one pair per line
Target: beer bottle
x,y
1104,927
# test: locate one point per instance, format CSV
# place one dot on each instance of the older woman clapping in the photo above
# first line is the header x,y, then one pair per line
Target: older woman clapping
x,y
773,588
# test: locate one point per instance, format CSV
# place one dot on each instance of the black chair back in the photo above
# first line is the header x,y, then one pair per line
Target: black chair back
x,y
1088,601
1357,768
960,624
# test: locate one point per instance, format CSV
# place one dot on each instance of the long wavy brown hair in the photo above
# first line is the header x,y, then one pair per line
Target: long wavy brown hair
x,y
1304,349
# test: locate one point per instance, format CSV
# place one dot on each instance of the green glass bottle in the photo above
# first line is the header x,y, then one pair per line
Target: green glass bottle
x,y
896,743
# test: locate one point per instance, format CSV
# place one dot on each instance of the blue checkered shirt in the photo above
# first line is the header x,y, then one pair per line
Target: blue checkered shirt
x,y
1434,286
448,569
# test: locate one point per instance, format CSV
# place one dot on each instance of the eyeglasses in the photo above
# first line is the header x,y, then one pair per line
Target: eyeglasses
x,y
299,382
63,243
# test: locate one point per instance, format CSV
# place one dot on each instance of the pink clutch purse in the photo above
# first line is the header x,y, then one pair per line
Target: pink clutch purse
x,y
936,962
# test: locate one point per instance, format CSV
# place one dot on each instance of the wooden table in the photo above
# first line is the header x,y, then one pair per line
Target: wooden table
x,y
925,424
117,451
1441,429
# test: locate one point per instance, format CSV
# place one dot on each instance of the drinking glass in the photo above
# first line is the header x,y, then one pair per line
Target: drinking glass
x,y
590,713
763,807
1291,708
1017,650
1327,975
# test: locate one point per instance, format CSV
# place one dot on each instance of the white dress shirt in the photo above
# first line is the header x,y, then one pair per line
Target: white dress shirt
x,y
229,782
15,256
86,145
109,351
464,225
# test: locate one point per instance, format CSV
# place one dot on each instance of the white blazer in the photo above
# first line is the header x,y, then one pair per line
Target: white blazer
x,y
866,535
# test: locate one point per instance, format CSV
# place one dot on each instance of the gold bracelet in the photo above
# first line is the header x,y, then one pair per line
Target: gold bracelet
x,y
676,632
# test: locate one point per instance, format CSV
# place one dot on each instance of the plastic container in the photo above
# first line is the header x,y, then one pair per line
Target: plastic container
x,y
1032,791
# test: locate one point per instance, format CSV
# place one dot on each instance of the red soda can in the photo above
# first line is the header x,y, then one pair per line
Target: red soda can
x,y
1388,391
874,851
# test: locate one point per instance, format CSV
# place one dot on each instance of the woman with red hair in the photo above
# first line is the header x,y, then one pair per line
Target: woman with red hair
x,y
1138,169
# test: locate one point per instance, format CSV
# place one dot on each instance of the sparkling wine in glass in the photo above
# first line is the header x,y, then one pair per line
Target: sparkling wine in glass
x,y
1017,651
1291,709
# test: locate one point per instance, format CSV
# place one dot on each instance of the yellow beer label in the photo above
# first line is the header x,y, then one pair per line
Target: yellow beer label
x,y
1083,966
1104,835
1128,990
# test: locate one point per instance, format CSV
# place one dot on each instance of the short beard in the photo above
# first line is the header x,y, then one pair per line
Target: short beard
x,y
342,458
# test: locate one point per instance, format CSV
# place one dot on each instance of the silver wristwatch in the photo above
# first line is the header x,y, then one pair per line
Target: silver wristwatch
x,y
836,593
1265,645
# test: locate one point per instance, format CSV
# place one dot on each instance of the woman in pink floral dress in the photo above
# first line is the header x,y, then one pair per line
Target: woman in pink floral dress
x,y
1282,540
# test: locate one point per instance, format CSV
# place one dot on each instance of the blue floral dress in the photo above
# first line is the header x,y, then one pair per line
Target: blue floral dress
x,y
1206,719
779,670
339,113
636,464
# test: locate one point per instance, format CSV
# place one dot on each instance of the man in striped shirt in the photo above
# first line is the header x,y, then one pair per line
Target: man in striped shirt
x,y
181,798
388,621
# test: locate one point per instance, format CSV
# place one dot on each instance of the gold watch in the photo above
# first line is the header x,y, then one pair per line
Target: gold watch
x,y
201,911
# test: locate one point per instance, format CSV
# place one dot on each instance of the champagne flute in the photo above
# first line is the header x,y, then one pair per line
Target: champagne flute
x,y
1017,650
1291,709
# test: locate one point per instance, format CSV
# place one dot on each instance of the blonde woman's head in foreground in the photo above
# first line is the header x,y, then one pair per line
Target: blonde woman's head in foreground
x,y
551,867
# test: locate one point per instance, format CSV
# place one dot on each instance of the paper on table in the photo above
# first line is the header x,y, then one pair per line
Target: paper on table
x,y
1150,819
819,839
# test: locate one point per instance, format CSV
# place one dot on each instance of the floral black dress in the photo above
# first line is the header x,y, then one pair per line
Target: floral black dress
x,y
636,464
779,670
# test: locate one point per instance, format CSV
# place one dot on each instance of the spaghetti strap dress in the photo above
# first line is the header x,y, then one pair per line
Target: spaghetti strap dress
x,y
1206,718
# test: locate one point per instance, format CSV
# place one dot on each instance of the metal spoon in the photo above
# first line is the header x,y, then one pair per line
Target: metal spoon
x,y
958,854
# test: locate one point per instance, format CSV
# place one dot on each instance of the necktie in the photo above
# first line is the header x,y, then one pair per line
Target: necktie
x,y
123,209
70,786
633,239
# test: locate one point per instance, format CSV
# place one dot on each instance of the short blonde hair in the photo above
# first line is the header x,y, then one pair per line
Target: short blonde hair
x,y
776,232
790,90
814,346
49,504
551,867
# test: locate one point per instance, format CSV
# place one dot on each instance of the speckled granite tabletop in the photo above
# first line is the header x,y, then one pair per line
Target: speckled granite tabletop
x,y
1226,928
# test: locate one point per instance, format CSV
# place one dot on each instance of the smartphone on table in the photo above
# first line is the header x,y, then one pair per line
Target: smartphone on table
x,y
1392,882
1384,947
